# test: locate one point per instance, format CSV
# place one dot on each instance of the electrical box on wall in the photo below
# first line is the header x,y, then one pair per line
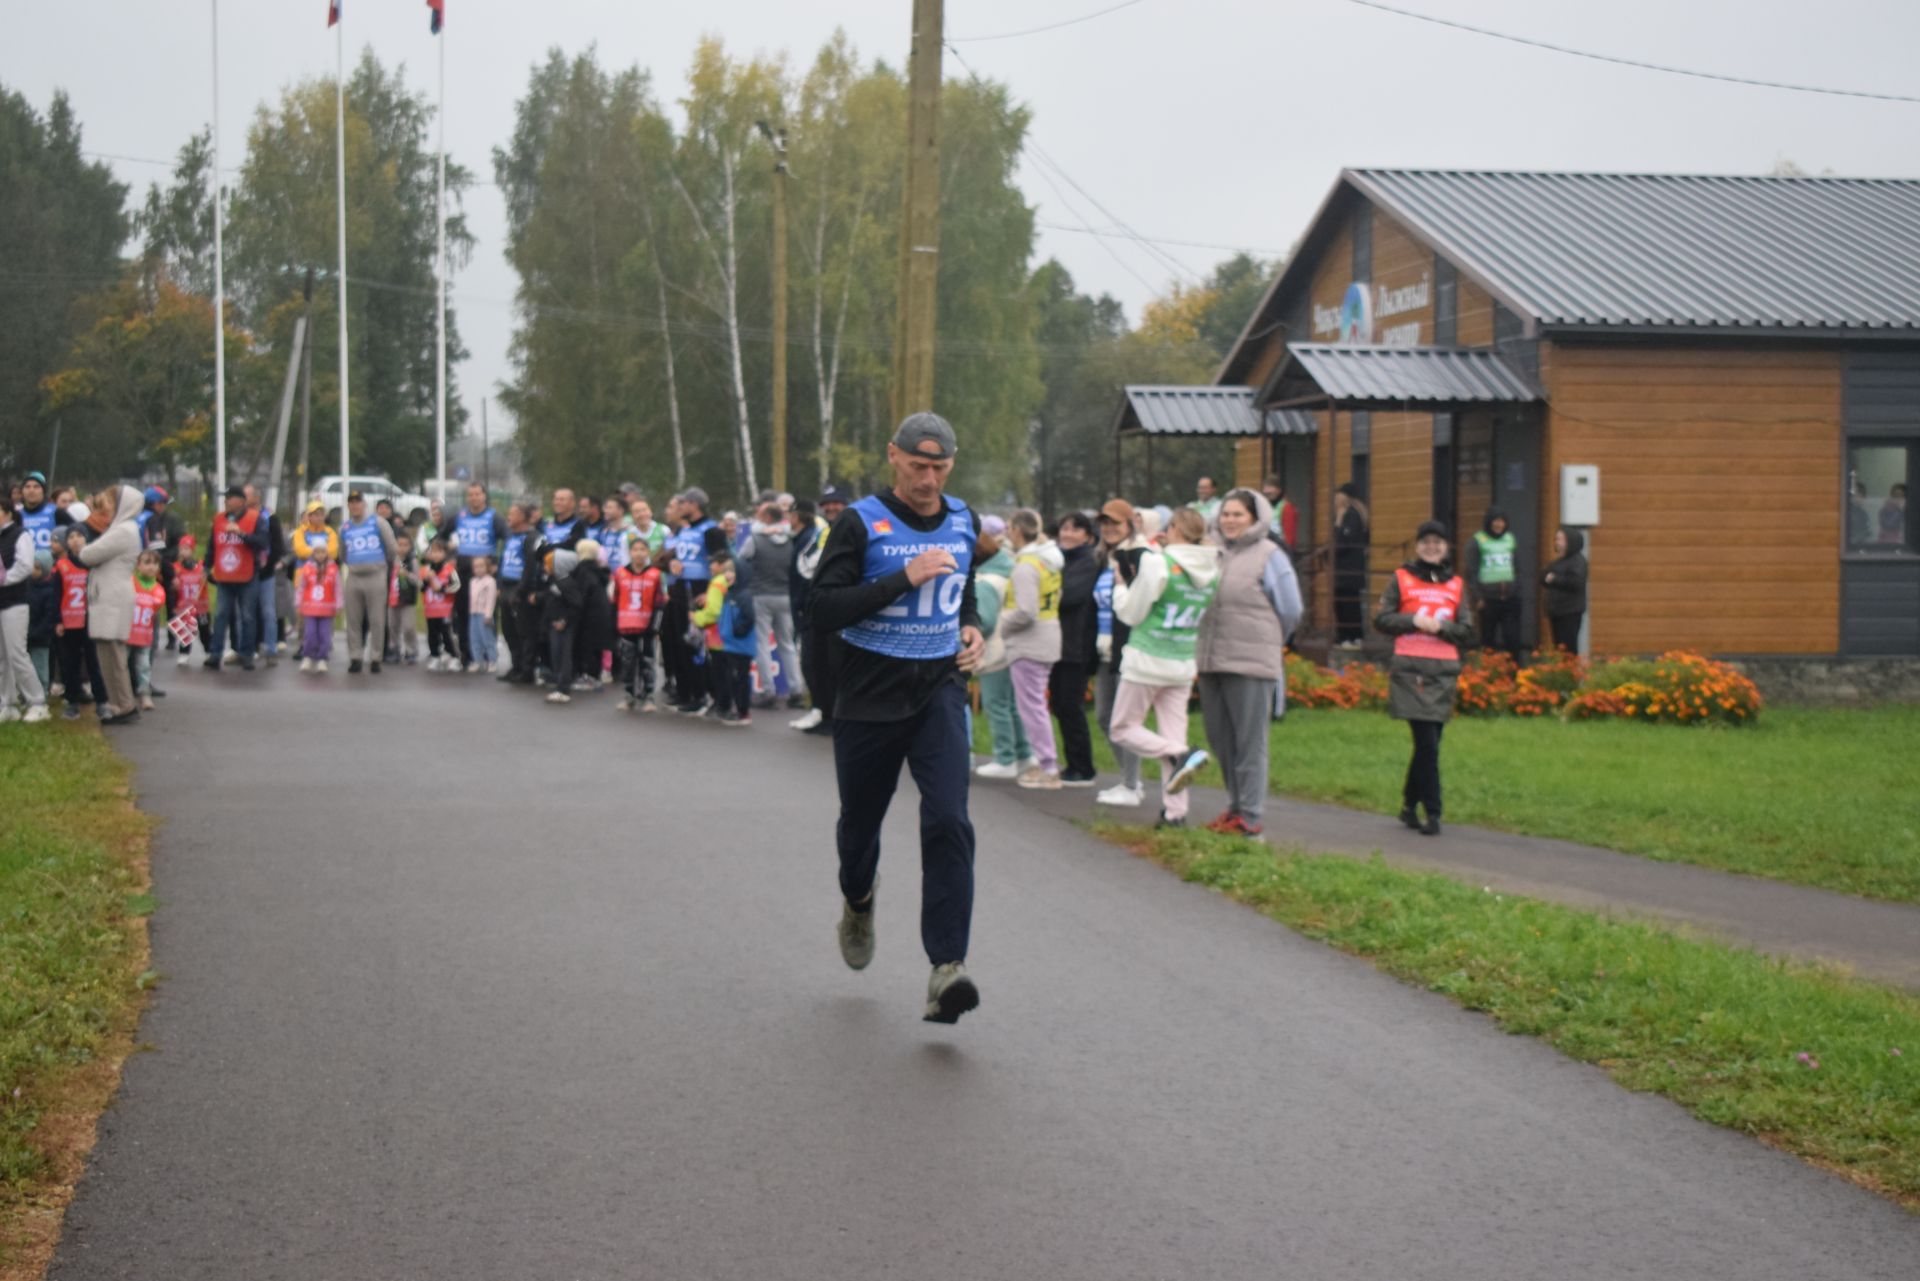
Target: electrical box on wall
x,y
1580,495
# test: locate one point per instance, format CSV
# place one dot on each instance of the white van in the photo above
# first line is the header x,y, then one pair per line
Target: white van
x,y
332,491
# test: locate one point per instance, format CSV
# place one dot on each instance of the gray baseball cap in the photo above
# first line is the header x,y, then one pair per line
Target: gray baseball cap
x,y
917,430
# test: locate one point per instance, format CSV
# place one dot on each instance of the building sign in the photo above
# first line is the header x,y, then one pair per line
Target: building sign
x,y
1358,319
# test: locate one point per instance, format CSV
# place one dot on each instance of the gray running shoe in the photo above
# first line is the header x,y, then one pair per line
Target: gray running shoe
x,y
950,993
856,932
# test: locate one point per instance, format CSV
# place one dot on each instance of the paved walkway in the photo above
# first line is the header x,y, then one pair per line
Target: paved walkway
x,y
1877,940
457,984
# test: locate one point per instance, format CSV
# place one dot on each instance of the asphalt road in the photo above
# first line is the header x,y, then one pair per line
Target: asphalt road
x,y
457,984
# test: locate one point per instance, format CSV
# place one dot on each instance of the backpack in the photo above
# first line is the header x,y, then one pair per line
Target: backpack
x,y
743,619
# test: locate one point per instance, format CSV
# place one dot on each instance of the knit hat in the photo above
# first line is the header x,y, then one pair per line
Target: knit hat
x,y
155,494
1430,527
698,497
38,476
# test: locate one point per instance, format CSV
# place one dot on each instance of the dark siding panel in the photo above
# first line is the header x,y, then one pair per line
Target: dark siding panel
x,y
1882,393
1446,303
1363,243
1880,610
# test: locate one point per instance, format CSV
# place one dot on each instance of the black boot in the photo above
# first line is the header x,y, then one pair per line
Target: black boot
x,y
1432,826
1410,816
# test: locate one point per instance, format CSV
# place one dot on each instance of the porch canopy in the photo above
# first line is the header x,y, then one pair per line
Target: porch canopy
x,y
1319,375
1159,412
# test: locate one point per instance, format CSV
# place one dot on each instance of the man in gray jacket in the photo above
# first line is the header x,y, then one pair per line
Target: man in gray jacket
x,y
766,561
367,551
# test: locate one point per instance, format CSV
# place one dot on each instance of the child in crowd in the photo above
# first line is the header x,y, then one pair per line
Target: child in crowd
x,y
560,614
636,604
190,590
729,618
593,640
439,583
43,612
403,590
79,663
317,591
149,616
483,594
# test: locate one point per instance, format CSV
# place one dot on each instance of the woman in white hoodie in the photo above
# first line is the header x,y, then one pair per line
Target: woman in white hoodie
x,y
1163,605
1030,628
110,560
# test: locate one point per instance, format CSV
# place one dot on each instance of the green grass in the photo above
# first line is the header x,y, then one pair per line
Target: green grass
x,y
1718,1029
1817,796
72,892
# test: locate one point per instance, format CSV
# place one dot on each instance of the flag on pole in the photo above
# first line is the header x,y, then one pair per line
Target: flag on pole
x,y
333,12
439,8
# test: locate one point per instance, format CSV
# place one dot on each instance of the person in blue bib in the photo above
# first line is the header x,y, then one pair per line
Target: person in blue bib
x,y
896,583
477,531
367,549
38,516
519,561
691,574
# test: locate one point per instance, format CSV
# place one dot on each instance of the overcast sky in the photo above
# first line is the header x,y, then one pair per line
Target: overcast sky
x,y
1216,121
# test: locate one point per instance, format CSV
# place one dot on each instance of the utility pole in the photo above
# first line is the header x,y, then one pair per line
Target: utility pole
x,y
778,141
486,451
920,222
306,400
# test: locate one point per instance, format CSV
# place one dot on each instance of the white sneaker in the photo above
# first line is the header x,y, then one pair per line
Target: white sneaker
x,y
625,704
808,721
1028,763
1039,780
994,769
38,712
306,664
558,697
1195,762
950,993
1121,795
9,714
320,666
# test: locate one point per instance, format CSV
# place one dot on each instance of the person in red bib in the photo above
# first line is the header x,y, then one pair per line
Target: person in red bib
x,y
238,540
149,616
190,590
73,644
316,592
1425,610
439,582
636,607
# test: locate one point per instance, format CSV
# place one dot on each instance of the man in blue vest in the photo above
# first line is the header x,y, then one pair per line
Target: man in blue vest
x,y
896,582
520,594
691,573
566,526
367,548
38,516
477,531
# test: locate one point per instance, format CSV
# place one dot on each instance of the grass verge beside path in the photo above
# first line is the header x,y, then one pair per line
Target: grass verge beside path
x,y
1819,1065
73,957
1816,796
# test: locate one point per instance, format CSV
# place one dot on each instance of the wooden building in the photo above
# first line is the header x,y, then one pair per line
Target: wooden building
x,y
1738,358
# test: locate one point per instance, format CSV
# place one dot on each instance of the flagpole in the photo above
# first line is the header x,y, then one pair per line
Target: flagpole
x,y
440,271
219,280
340,188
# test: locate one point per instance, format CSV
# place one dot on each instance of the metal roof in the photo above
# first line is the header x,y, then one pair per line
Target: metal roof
x,y
1670,250
1387,376
1206,411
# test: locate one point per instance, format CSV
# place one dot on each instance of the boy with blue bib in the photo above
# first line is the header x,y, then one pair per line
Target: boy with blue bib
x,y
896,583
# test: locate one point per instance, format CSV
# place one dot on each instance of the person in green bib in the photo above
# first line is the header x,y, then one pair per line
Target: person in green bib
x,y
1496,584
1163,605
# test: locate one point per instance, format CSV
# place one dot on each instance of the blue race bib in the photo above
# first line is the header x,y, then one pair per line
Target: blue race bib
x,y
924,623
473,535
362,539
513,561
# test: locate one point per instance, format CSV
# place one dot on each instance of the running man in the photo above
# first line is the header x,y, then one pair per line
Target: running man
x,y
896,582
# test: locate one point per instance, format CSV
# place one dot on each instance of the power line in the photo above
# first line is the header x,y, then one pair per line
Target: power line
x,y
1256,250
1051,26
1631,62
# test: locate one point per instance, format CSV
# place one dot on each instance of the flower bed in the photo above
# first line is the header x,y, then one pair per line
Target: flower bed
x,y
1679,688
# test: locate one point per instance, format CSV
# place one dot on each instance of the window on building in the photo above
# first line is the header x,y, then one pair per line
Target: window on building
x,y
1446,303
1443,480
1880,474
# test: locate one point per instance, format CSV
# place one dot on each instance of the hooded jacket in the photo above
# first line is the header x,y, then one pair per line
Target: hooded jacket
x,y
1079,616
1472,567
110,560
1564,584
767,558
1421,689
1134,602
566,593
1026,635
1256,607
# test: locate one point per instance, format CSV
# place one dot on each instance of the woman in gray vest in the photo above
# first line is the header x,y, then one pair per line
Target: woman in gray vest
x,y
1241,654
